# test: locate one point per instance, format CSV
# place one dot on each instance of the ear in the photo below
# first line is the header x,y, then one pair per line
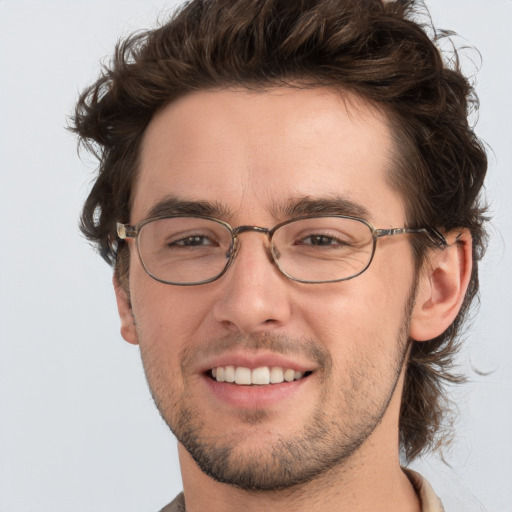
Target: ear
x,y
124,307
442,286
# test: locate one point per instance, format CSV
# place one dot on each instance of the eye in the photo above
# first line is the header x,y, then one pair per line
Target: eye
x,y
327,239
192,241
320,240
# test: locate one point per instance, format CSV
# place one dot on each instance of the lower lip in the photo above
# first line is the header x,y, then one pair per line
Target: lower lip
x,y
253,397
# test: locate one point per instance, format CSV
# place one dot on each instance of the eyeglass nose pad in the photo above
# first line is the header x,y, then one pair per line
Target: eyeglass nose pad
x,y
275,253
272,253
233,250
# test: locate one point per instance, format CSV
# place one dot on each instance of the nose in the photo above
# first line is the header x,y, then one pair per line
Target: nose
x,y
255,295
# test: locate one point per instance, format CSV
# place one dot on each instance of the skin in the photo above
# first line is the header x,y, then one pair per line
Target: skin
x,y
330,440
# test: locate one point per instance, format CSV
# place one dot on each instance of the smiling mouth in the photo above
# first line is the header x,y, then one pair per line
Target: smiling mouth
x,y
261,376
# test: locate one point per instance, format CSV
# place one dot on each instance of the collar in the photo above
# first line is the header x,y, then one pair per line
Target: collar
x,y
429,500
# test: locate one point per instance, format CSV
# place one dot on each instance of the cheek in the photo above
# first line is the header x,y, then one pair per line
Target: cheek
x,y
167,316
363,315
164,322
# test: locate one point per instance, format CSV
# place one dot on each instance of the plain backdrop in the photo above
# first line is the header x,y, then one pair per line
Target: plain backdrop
x,y
78,429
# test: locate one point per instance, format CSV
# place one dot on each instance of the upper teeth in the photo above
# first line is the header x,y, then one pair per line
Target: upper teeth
x,y
263,375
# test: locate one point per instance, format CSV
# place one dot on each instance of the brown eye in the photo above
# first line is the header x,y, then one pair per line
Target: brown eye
x,y
320,240
192,241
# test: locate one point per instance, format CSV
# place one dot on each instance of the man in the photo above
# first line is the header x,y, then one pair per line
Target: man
x,y
288,192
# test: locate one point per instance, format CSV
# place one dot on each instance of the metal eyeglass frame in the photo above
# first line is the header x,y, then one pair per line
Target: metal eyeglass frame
x,y
128,231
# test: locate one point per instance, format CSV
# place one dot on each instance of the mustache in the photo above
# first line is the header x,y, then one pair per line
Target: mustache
x,y
272,342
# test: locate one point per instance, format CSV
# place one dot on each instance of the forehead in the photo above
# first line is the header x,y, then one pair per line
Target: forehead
x,y
259,150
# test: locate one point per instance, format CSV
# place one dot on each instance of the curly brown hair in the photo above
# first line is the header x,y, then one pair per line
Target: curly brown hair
x,y
375,49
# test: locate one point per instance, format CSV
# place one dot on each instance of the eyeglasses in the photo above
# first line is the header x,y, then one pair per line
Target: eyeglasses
x,y
193,249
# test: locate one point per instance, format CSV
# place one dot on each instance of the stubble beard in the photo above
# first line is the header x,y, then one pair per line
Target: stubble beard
x,y
326,440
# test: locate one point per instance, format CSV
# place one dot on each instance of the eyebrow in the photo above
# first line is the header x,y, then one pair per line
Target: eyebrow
x,y
175,206
331,205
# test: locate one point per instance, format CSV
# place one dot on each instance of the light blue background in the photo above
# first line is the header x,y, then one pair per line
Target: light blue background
x,y
78,430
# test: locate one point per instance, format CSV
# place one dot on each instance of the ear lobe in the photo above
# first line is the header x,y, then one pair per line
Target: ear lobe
x,y
128,330
442,286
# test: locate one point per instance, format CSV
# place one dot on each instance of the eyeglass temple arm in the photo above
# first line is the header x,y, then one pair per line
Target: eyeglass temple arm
x,y
435,236
126,231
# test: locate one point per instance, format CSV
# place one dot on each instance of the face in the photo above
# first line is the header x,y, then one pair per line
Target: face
x,y
259,158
